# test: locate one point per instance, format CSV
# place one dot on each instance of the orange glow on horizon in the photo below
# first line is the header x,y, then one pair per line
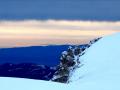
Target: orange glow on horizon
x,y
26,33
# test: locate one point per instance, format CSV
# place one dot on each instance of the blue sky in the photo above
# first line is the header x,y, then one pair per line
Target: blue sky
x,y
43,22
107,10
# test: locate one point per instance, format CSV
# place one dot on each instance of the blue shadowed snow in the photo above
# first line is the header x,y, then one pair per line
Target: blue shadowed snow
x,y
43,55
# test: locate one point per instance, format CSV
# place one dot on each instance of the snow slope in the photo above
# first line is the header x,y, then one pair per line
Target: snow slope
x,y
99,72
101,65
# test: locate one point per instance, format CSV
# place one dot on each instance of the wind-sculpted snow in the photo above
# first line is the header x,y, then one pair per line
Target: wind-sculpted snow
x,y
99,72
101,65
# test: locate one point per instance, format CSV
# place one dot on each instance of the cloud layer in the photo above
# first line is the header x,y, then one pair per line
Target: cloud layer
x,y
36,32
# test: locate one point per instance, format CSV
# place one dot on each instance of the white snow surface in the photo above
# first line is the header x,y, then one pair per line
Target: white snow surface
x,y
99,72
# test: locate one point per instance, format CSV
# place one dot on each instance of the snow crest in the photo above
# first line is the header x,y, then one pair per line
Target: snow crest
x,y
99,72
101,65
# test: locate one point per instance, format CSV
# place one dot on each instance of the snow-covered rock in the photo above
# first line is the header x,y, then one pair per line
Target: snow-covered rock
x,y
99,72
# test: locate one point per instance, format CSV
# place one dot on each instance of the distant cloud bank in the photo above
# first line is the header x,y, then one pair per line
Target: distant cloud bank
x,y
38,32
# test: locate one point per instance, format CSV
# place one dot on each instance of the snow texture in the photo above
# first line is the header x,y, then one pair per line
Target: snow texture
x,y
99,72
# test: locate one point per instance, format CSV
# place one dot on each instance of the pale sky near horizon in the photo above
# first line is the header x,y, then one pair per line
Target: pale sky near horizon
x,y
44,22
37,32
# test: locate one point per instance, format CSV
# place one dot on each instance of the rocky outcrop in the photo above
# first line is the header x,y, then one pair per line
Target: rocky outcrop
x,y
68,61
